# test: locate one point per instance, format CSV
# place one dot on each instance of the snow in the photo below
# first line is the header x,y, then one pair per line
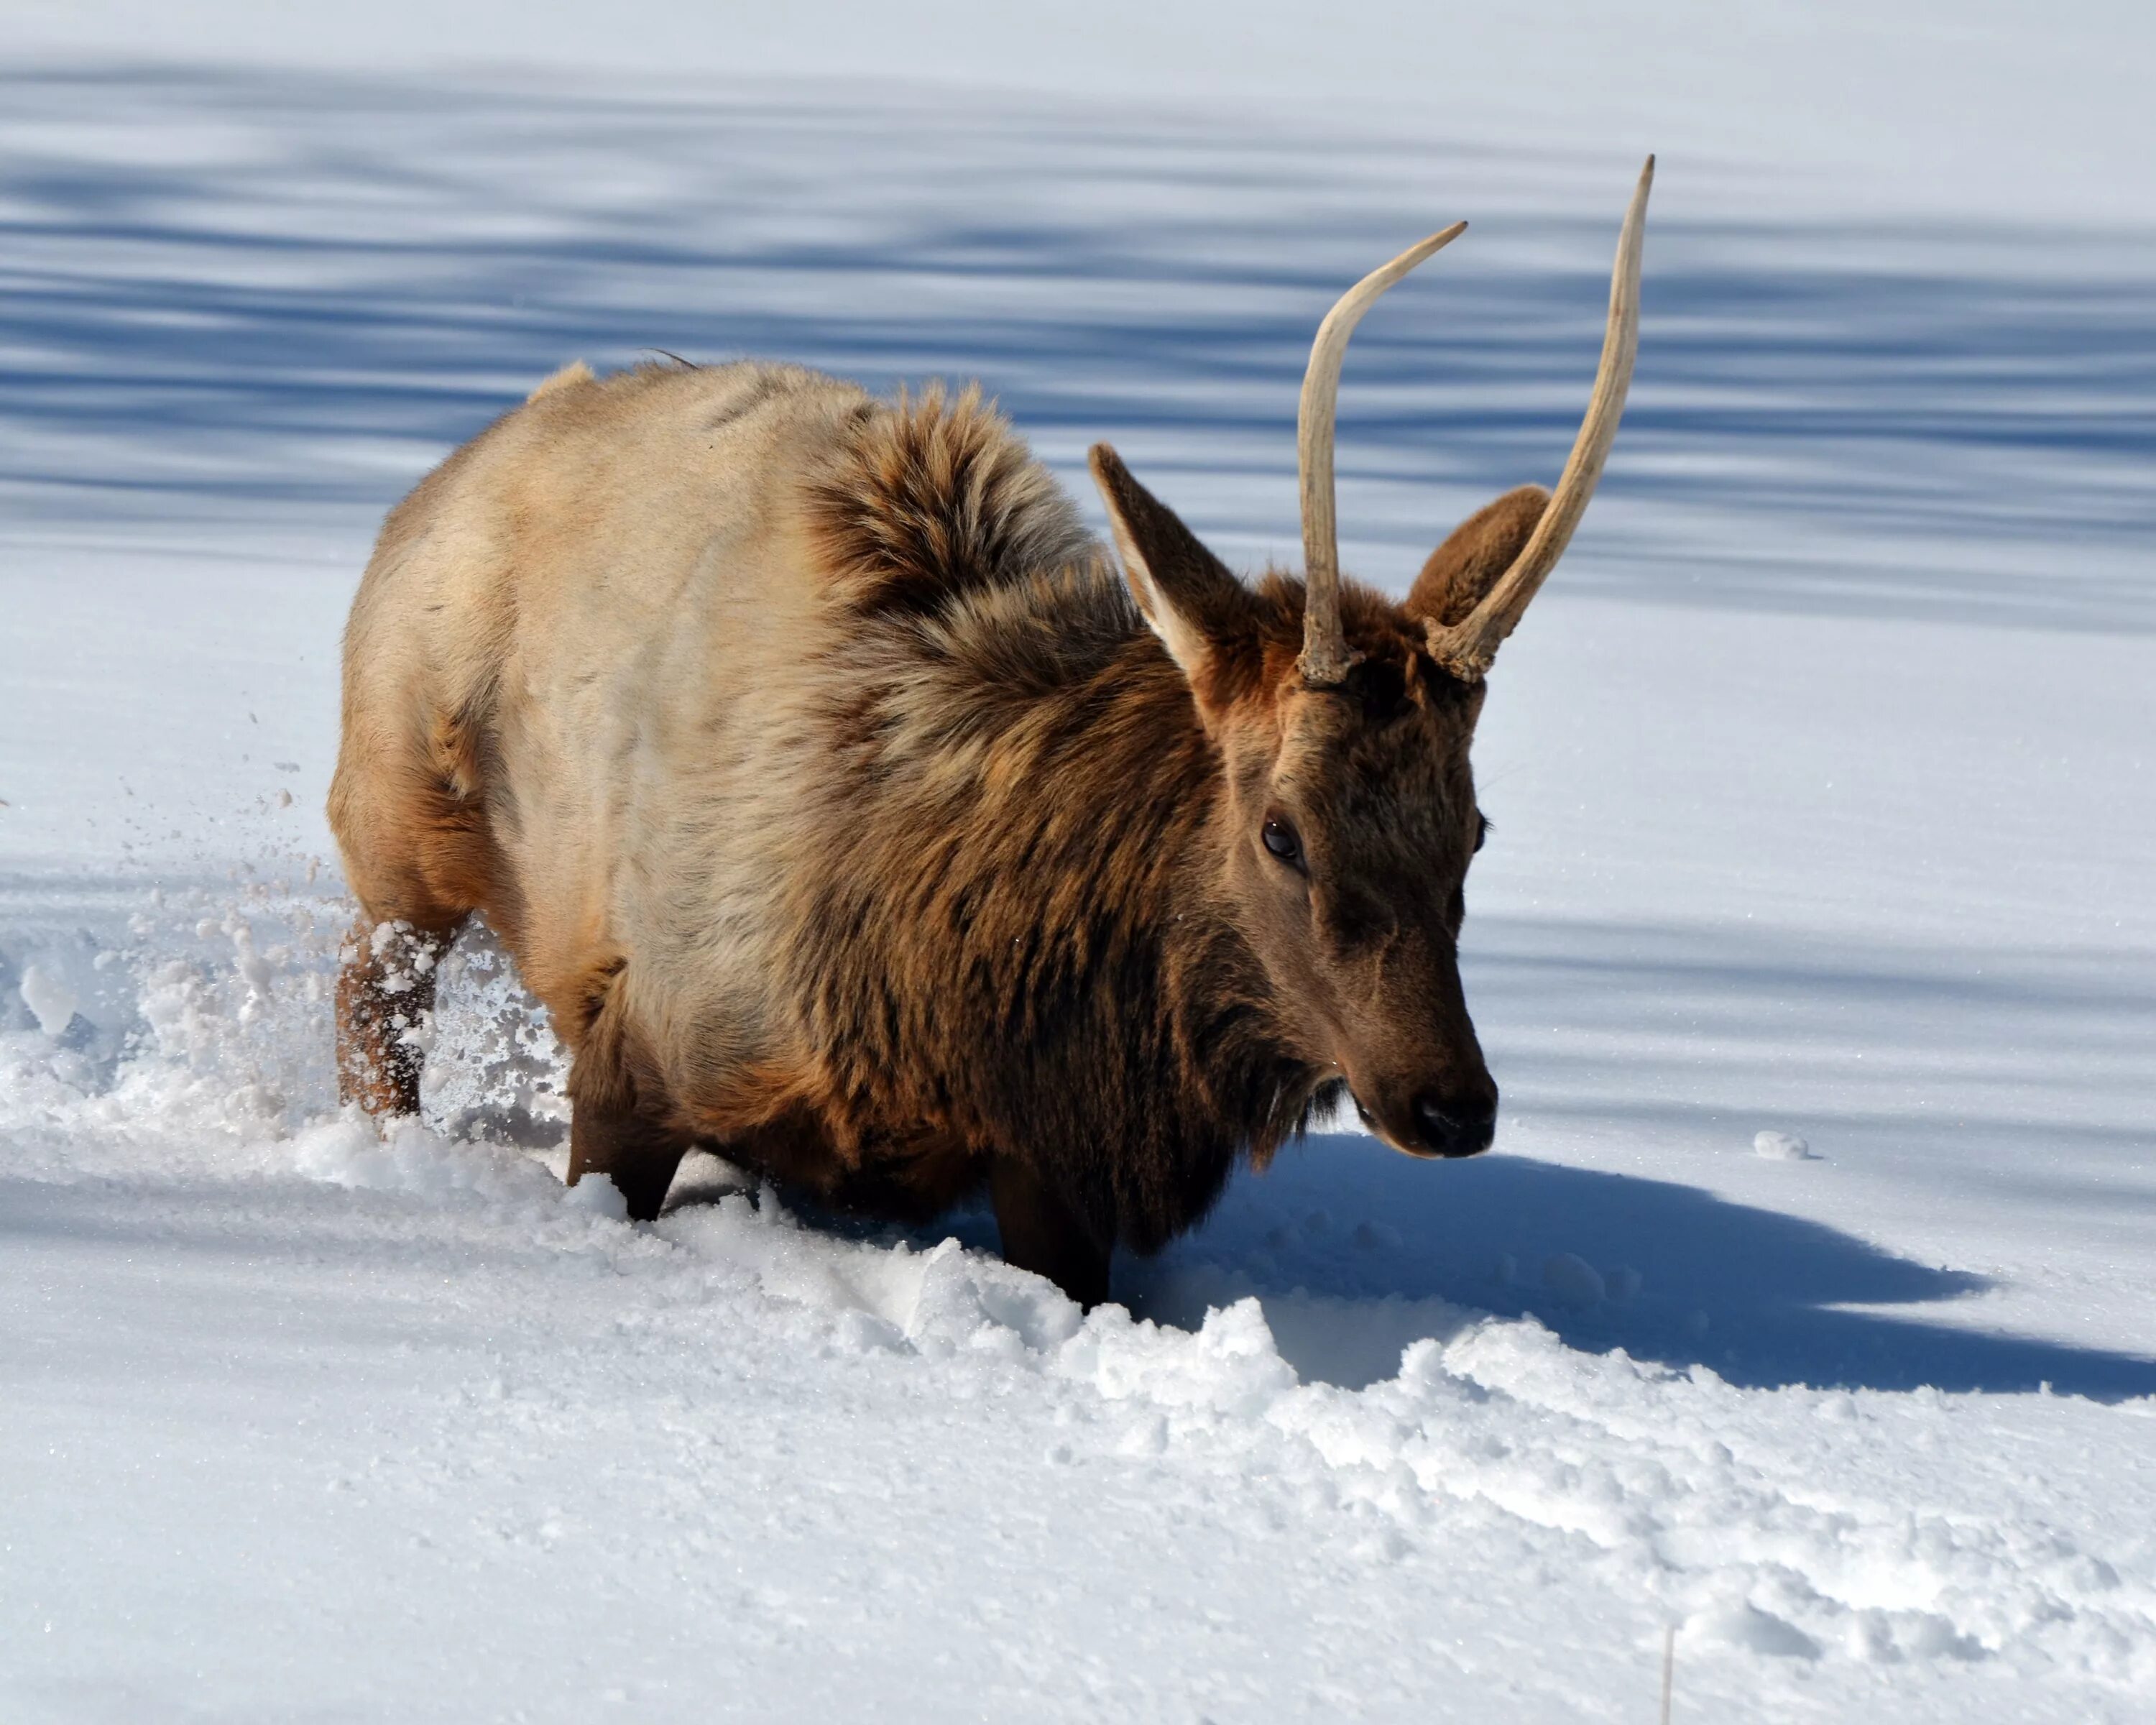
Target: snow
x,y
1782,1147
1823,798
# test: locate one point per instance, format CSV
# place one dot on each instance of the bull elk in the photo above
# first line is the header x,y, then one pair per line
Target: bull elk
x,y
851,814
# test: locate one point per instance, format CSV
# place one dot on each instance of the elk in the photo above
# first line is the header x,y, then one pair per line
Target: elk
x,y
852,814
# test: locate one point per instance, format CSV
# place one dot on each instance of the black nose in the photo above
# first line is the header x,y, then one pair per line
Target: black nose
x,y
1456,1125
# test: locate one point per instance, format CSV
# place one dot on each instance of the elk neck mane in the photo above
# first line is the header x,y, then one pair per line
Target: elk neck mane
x,y
1022,832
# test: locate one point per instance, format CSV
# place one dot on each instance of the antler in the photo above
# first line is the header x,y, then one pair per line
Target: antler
x,y
1325,658
1465,649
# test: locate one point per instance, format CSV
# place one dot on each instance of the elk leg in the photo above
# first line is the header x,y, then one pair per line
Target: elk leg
x,y
1042,1233
627,1150
612,1124
385,990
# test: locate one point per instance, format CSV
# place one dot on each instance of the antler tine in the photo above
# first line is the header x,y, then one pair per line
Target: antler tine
x,y
1324,659
1466,648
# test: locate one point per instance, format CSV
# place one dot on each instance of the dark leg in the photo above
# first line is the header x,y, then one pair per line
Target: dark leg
x,y
612,1128
385,991
608,1137
1041,1234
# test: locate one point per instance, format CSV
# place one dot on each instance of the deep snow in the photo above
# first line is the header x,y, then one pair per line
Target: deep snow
x,y
1823,804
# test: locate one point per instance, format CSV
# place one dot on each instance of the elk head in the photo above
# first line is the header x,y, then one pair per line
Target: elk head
x,y
1342,723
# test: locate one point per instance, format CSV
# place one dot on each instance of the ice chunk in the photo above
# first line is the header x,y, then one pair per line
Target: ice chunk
x,y
47,992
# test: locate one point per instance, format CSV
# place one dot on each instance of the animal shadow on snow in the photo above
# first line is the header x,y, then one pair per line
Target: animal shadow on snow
x,y
1667,1272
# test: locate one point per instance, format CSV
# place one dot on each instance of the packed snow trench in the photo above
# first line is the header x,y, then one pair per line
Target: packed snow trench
x,y
1803,1310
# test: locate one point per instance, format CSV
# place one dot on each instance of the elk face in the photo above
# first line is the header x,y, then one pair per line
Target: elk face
x,y
1353,824
1348,818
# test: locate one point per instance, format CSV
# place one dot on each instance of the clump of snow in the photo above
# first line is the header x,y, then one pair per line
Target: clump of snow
x,y
1782,1147
1746,1626
1571,1279
412,1162
597,1195
47,993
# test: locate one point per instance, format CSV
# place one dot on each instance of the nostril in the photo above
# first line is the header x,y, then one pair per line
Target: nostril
x,y
1435,1119
1456,1125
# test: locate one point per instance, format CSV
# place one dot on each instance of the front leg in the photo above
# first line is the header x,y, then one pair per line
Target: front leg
x,y
611,1130
1041,1232
618,1141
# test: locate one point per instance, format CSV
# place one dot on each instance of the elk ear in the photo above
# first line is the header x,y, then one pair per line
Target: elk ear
x,y
1188,595
1463,569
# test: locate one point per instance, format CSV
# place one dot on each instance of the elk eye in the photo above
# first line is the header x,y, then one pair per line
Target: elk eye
x,y
1481,828
1279,839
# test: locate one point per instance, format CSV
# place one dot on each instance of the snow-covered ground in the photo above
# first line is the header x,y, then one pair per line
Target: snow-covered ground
x,y
1823,782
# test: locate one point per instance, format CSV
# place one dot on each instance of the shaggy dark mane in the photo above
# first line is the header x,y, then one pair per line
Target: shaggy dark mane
x,y
1045,958
934,497
1019,909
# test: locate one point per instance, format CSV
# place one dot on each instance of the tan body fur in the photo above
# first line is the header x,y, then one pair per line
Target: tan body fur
x,y
589,627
